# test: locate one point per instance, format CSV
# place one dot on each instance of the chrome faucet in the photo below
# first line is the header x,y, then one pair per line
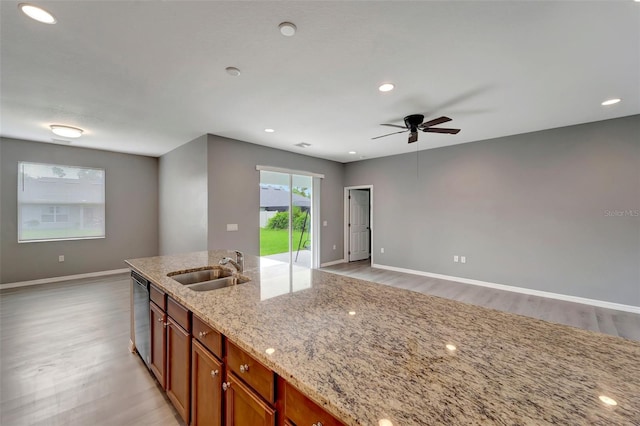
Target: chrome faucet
x,y
238,263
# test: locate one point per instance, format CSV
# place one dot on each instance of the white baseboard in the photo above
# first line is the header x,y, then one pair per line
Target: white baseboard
x,y
65,278
333,262
547,294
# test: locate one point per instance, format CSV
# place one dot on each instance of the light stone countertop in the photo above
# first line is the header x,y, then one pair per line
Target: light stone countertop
x,y
390,361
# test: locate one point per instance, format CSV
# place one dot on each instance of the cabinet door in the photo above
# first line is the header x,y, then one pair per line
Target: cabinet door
x,y
206,387
178,368
244,407
158,355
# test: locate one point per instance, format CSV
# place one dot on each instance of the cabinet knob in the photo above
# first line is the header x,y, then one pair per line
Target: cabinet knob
x,y
159,319
317,424
226,385
203,333
214,373
244,368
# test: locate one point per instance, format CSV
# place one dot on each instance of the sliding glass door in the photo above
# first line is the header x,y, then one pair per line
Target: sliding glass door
x,y
286,230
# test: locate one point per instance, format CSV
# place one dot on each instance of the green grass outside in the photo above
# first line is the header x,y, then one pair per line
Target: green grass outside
x,y
274,241
52,234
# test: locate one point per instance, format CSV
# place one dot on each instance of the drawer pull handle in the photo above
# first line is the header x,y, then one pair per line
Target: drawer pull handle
x,y
203,333
244,368
226,385
214,373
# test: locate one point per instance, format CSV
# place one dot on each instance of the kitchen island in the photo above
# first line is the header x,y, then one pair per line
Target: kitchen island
x,y
370,354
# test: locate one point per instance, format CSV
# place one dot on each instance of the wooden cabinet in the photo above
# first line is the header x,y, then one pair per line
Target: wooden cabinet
x,y
158,353
300,410
245,408
213,382
256,375
178,368
206,386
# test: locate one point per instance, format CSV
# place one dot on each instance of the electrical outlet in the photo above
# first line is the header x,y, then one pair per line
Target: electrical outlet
x,y
463,259
61,258
232,226
455,259
381,249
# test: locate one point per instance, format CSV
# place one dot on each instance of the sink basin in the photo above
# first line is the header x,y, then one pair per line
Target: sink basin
x,y
214,284
202,275
208,278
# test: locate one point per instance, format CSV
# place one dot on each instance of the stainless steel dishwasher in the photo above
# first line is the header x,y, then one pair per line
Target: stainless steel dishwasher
x,y
141,316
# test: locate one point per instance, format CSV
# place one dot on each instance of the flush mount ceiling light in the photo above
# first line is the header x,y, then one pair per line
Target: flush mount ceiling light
x,y
287,29
611,101
66,131
386,87
232,71
37,13
269,130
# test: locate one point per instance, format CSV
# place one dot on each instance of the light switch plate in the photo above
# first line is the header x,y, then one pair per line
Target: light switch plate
x,y
455,258
232,226
324,223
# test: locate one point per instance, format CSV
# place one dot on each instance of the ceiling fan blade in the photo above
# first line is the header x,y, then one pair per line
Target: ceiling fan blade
x,y
394,125
413,137
389,134
439,130
435,121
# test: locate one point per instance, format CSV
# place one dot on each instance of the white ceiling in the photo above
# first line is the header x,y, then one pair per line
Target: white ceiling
x,y
146,77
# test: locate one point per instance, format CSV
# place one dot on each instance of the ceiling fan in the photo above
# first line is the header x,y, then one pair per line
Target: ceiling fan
x,y
414,122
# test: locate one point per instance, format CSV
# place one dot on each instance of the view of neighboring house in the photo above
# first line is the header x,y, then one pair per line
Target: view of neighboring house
x,y
274,199
68,205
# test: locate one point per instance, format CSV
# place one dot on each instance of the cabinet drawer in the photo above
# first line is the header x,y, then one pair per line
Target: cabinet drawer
x,y
179,313
206,335
256,375
302,411
158,297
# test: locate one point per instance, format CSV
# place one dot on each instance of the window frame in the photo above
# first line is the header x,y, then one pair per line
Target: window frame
x,y
60,208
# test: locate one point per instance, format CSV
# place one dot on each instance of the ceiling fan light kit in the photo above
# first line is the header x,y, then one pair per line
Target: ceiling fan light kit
x,y
415,122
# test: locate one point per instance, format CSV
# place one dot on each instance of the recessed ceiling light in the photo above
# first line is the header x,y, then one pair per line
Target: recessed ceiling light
x,y
608,401
352,152
287,29
37,13
385,422
352,313
303,145
232,71
611,101
66,131
270,351
269,130
451,347
386,87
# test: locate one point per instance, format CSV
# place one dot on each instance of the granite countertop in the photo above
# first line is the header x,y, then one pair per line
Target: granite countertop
x,y
368,352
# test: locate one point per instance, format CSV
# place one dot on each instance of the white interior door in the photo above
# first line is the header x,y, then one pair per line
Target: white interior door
x,y
359,233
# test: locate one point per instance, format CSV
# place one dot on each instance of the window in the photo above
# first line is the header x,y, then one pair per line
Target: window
x,y
57,202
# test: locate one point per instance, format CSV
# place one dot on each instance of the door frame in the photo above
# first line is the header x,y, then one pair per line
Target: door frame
x,y
347,236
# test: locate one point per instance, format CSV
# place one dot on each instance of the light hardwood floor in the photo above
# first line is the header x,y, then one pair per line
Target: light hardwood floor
x,y
64,357
608,321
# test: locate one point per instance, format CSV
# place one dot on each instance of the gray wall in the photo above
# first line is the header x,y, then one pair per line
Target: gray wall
x,y
234,194
183,198
131,213
529,210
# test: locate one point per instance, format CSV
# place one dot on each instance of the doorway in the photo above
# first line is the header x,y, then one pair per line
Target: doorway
x,y
358,223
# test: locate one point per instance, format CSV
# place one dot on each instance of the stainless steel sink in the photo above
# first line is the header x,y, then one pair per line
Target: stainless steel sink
x,y
208,278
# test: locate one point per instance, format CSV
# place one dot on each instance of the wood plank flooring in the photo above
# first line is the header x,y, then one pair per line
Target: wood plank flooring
x,y
608,321
64,357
